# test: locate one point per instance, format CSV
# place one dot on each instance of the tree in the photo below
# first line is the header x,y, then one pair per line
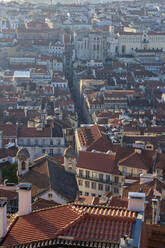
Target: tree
x,y
10,172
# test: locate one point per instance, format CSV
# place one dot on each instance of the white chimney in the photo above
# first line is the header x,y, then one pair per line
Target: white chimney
x,y
136,201
3,217
25,199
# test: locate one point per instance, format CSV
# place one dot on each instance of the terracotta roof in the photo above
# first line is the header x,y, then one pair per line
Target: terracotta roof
x,y
10,194
93,138
98,162
40,225
92,227
136,187
118,202
33,132
153,236
83,223
42,203
134,160
4,153
8,130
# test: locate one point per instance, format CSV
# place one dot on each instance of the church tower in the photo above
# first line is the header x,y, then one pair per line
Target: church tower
x,y
23,157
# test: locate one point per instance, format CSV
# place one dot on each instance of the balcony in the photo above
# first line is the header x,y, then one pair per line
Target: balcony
x,y
96,179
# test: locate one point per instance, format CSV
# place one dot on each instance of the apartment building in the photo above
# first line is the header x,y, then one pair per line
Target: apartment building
x,y
97,174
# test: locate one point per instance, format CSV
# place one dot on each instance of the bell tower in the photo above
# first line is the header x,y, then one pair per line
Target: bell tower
x,y
23,157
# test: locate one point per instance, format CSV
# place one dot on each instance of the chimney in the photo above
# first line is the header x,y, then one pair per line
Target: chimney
x,y
3,216
25,199
136,201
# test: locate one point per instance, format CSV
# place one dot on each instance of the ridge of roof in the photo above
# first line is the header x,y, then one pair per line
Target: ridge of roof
x,y
97,206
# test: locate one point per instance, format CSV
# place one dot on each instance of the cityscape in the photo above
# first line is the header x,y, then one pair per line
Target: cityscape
x,y
82,124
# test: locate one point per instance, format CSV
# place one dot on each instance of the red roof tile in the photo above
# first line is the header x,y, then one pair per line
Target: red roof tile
x,y
98,162
81,222
40,225
153,236
8,130
93,138
134,160
10,194
95,227
34,132
118,202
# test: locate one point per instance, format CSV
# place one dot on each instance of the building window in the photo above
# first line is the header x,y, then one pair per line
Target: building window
x,y
21,141
43,151
101,177
80,173
51,142
86,193
124,170
93,185
116,190
107,188
80,192
87,174
100,186
123,49
108,178
94,175
116,179
87,184
80,182
93,194
28,142
51,152
50,195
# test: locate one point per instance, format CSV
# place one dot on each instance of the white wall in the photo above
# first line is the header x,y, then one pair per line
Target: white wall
x,y
55,197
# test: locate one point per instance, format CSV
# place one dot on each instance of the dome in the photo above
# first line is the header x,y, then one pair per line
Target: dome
x,y
23,154
69,152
